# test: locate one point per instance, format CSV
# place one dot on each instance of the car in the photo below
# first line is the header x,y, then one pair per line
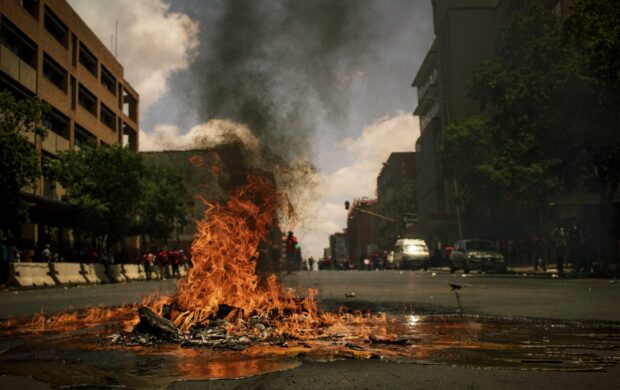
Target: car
x,y
411,253
476,254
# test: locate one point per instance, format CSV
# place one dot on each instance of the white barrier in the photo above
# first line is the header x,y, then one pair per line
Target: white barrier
x,y
95,273
134,272
116,273
67,273
30,274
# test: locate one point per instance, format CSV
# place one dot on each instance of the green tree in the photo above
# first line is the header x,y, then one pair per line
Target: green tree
x,y
165,203
19,161
554,96
104,186
592,31
503,161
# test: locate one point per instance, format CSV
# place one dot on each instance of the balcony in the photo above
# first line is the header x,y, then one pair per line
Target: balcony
x,y
19,70
429,115
430,82
55,143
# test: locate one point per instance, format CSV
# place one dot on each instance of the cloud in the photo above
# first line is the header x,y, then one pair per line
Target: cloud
x,y
215,131
326,215
153,42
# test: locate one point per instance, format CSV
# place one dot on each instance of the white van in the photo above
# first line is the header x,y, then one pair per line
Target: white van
x,y
411,253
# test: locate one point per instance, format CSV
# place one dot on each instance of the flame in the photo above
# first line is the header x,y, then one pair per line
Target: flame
x,y
224,255
225,251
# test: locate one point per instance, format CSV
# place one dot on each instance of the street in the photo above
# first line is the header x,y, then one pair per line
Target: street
x,y
394,291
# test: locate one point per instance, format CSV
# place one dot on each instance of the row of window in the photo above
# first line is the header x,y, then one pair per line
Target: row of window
x,y
26,50
58,123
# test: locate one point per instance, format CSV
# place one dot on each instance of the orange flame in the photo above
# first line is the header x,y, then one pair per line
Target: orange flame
x,y
224,255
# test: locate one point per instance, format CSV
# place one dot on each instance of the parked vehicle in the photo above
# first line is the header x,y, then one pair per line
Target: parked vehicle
x,y
410,253
478,255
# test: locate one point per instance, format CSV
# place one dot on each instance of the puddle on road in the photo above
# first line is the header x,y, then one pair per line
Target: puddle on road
x,y
86,357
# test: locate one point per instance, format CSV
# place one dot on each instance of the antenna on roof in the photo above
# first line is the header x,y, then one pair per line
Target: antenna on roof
x,y
116,40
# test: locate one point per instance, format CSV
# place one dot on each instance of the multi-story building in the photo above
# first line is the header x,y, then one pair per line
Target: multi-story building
x,y
396,197
46,50
338,247
466,32
362,230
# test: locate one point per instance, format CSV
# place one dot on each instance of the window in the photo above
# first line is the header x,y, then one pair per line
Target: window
x,y
108,79
130,137
31,6
88,60
73,93
18,42
130,106
54,72
74,50
56,27
87,100
56,122
107,117
83,137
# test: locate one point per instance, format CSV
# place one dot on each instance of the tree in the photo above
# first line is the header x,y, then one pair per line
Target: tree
x,y
554,93
104,186
19,161
591,30
165,202
502,162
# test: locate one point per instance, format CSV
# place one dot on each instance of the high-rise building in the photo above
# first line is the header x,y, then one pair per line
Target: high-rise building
x,y
46,50
466,32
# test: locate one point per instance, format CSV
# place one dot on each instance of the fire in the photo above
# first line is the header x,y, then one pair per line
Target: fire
x,y
224,256
223,283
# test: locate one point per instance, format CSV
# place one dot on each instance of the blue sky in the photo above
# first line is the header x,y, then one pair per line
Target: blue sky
x,y
356,101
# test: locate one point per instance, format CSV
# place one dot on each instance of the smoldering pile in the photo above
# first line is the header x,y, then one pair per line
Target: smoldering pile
x,y
258,330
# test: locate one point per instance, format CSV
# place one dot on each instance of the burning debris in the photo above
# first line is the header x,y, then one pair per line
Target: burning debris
x,y
223,303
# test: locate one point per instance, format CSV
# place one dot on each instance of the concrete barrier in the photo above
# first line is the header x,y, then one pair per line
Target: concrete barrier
x,y
30,274
116,273
95,273
134,272
67,273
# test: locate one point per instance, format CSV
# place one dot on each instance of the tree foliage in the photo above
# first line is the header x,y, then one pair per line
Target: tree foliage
x,y
104,186
19,160
553,95
165,203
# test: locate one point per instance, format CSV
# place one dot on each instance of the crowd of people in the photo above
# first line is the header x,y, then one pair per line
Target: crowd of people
x,y
165,263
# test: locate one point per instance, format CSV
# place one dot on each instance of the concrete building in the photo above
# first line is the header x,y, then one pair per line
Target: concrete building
x,y
362,230
465,34
338,247
46,50
396,197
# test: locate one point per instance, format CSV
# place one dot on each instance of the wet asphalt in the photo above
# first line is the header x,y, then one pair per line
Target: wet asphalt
x,y
425,292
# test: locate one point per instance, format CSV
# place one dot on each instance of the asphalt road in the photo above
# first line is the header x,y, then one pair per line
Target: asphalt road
x,y
503,295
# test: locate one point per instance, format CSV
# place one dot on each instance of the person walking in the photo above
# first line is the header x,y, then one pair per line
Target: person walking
x,y
291,252
560,242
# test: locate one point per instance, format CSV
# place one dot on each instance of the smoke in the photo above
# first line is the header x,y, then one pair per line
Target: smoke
x,y
277,66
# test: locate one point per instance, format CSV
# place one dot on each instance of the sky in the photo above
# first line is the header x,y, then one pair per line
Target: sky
x,y
322,82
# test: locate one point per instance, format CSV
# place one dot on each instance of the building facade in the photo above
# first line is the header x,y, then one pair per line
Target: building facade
x,y
466,32
47,51
338,247
362,230
396,197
